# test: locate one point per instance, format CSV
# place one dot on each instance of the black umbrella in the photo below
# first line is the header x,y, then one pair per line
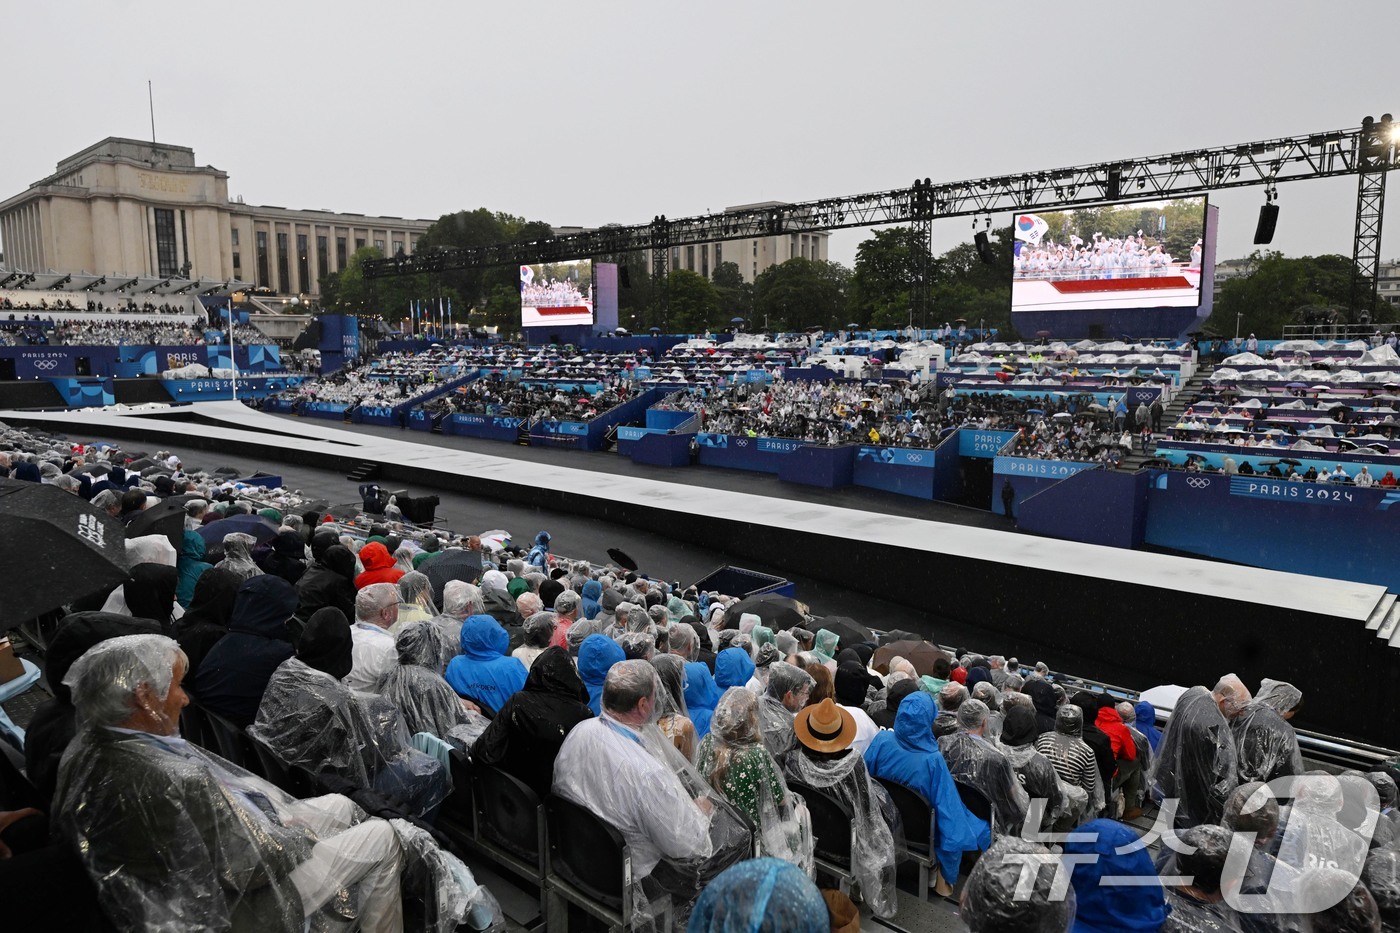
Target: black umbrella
x,y
446,566
59,546
228,471
1290,462
776,612
137,466
94,469
621,558
166,517
257,526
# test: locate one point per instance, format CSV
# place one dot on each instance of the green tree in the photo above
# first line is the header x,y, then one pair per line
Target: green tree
x,y
966,287
694,303
1275,290
882,284
802,293
735,295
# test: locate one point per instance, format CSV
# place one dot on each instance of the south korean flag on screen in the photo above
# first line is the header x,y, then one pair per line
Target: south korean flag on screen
x,y
1030,228
527,275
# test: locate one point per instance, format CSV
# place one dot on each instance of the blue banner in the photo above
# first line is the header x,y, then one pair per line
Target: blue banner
x,y
1260,487
983,444
899,456
712,440
1026,466
778,445
632,434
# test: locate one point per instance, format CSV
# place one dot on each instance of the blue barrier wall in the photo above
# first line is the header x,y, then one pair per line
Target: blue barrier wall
x,y
736,452
212,390
1330,531
813,465
906,471
975,442
664,419
1215,454
1029,476
670,450
493,427
1094,506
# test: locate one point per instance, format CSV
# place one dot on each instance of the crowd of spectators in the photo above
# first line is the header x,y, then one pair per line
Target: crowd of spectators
x,y
697,730
109,305
534,401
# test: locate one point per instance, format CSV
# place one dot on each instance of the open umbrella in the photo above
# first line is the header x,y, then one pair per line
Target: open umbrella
x,y
848,630
59,546
137,466
621,558
166,517
94,469
446,566
776,612
918,653
257,526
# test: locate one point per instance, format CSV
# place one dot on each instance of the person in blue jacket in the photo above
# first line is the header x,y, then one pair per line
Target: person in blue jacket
x,y
539,554
596,656
483,672
701,696
909,756
1132,899
733,668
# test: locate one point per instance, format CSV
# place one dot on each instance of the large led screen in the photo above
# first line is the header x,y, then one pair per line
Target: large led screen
x,y
556,293
1147,254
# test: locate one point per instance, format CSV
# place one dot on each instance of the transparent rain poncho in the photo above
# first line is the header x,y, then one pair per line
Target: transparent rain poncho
x,y
632,776
415,597
1196,760
311,720
995,897
1279,694
761,894
826,645
974,761
176,838
775,719
1266,746
873,852
1313,835
1073,761
1034,770
671,716
426,701
733,760
238,555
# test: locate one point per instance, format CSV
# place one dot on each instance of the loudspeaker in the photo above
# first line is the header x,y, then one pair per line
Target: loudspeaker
x,y
1268,218
984,248
1114,189
623,278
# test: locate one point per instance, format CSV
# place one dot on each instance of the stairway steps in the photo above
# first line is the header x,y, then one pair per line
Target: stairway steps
x,y
1380,613
1390,626
364,471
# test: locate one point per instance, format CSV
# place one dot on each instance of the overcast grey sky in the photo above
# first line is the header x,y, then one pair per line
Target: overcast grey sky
x,y
591,113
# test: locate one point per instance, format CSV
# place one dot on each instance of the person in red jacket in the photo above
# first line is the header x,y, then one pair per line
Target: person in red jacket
x,y
379,566
1129,775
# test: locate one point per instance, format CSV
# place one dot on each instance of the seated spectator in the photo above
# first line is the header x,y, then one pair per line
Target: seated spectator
x,y
976,762
850,683
1133,800
426,701
378,564
1146,722
329,582
761,894
596,656
1115,885
1046,704
142,806
415,599
1315,834
54,723
995,899
898,691
207,618
672,717
539,634
1197,906
566,612
1035,772
910,756
824,760
483,673
789,688
1252,812
311,719
701,696
1127,768
950,699
460,601
238,556
1382,878
1195,763
235,672
287,557
1097,739
376,611
734,762
733,668
190,566
624,771
525,737
1074,762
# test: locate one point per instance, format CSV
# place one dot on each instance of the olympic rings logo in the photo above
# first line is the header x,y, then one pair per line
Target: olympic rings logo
x,y
46,364
1198,482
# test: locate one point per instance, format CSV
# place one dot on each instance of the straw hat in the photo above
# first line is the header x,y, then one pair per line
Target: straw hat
x,y
824,727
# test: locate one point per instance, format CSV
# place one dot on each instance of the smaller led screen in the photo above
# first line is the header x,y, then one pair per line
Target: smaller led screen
x,y
556,293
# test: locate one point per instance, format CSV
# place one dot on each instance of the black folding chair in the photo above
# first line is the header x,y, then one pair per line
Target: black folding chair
x,y
918,818
230,741
832,823
511,828
294,780
590,866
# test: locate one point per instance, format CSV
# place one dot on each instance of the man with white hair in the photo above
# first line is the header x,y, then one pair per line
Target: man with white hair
x,y
566,607
376,611
142,806
1266,747
978,763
